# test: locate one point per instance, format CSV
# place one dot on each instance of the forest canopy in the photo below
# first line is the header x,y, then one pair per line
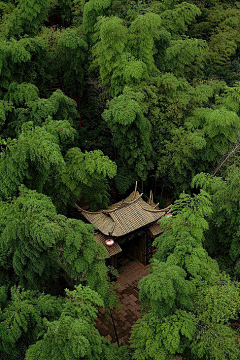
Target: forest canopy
x,y
94,96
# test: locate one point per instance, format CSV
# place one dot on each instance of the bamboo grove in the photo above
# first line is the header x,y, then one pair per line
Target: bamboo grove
x,y
94,96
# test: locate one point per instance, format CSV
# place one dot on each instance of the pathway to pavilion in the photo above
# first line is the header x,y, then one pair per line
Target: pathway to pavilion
x,y
129,276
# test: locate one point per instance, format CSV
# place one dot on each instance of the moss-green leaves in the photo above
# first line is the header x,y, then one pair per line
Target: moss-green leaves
x,y
131,131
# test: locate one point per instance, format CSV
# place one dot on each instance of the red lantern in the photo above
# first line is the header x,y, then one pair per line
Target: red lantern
x,y
109,242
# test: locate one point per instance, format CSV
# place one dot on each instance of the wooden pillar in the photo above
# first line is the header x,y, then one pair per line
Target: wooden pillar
x,y
149,253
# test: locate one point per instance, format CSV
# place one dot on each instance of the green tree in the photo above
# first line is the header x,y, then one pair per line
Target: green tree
x,y
223,236
205,137
110,52
156,339
143,32
92,9
165,290
230,98
41,159
181,244
26,18
190,303
70,55
34,325
73,335
30,159
85,175
216,306
162,64
36,242
177,17
219,26
131,133
25,61
23,318
120,58
185,57
168,100
224,32
25,105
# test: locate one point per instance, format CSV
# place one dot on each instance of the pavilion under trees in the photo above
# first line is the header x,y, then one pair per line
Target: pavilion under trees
x,y
131,223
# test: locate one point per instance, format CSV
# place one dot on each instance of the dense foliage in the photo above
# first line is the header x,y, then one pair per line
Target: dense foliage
x,y
94,96
190,304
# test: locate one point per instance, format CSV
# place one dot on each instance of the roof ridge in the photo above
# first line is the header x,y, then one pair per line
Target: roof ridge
x,y
155,210
87,211
124,202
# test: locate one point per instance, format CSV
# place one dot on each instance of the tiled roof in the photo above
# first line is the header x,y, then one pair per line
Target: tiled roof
x,y
113,250
155,229
125,216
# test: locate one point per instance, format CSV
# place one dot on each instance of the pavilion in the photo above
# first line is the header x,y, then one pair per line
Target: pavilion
x,y
133,225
